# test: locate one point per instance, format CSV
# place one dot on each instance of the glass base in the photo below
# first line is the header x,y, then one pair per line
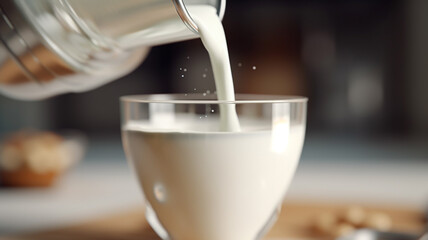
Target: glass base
x,y
157,226
155,223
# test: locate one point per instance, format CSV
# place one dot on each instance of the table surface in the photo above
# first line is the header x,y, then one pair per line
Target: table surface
x,y
296,221
103,185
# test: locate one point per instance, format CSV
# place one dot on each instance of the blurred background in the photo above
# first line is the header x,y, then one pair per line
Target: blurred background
x,y
363,64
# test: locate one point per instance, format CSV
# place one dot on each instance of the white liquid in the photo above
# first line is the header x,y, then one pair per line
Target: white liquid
x,y
213,37
213,186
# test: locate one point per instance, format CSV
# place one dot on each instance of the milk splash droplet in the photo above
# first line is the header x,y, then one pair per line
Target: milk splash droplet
x,y
239,64
204,75
254,67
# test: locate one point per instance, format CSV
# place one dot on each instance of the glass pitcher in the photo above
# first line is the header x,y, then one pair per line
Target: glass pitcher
x,y
51,47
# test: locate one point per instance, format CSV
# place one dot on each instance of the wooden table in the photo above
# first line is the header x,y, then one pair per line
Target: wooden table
x,y
295,221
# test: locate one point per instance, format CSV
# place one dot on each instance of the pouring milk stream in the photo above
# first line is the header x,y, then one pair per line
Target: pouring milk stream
x,y
213,37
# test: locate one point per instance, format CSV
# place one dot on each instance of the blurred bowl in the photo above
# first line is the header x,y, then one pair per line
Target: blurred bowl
x,y
38,158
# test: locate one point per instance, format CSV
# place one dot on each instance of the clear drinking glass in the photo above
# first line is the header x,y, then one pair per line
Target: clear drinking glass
x,y
202,183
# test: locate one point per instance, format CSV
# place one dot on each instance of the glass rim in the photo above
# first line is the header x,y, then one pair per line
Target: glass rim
x,y
202,98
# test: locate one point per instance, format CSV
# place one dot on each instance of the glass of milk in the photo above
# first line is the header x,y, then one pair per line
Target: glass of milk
x,y
201,182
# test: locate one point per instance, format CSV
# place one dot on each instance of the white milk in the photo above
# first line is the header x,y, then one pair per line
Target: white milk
x,y
213,186
213,37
